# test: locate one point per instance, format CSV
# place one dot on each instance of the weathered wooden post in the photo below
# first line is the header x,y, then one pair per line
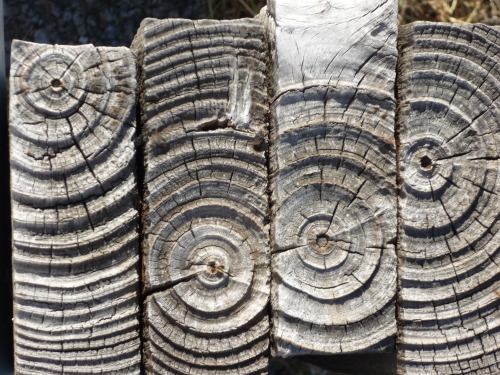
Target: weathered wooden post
x,y
449,94
333,170
206,258
352,268
74,215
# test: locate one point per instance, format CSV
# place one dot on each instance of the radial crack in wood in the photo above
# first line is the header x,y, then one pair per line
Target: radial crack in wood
x,y
449,91
206,250
75,240
333,171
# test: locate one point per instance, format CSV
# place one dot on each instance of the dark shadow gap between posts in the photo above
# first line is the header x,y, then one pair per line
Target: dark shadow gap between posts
x,y
6,343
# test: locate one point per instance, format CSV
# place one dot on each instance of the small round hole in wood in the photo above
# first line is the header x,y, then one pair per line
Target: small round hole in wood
x,y
426,162
56,83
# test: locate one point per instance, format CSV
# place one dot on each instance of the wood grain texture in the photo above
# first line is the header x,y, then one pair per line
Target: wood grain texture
x,y
206,251
75,240
333,172
450,239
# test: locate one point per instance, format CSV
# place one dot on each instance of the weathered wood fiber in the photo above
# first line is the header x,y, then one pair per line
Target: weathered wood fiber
x,y
449,244
206,249
75,240
450,238
333,171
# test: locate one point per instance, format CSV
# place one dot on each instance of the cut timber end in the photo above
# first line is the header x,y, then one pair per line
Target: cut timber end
x,y
206,246
449,247
75,240
334,220
334,174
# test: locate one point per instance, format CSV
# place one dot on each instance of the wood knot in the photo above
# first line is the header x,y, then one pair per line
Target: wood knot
x,y
213,268
323,244
322,240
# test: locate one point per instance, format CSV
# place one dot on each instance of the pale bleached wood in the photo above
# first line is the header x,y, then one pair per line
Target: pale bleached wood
x,y
206,249
333,172
449,246
75,240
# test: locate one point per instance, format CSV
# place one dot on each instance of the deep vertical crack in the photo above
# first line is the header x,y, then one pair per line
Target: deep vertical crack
x,y
141,207
267,154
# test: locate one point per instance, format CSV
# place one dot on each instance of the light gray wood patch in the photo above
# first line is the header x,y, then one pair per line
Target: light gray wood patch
x,y
206,250
333,175
75,240
449,245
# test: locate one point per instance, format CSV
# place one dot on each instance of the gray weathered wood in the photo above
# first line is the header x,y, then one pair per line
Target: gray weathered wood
x,y
333,171
75,240
449,244
206,249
